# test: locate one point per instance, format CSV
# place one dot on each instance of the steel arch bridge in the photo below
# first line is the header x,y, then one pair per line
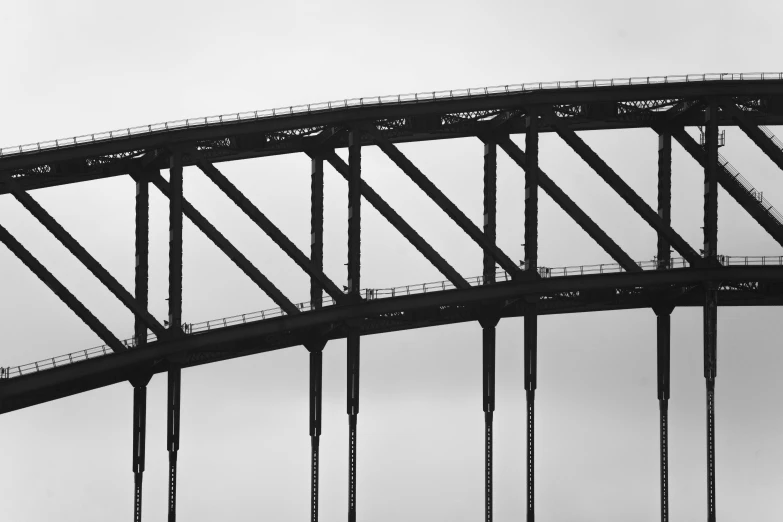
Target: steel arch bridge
x,y
666,105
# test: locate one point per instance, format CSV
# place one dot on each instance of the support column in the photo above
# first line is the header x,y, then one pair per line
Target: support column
x,y
663,319
175,321
531,314
140,337
316,301
711,293
488,387
664,195
663,314
172,439
353,340
488,324
139,436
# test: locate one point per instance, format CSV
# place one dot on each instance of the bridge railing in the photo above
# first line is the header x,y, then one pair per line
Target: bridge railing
x,y
397,99
750,189
771,135
377,293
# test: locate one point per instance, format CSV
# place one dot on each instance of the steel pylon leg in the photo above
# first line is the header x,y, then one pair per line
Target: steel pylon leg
x,y
173,437
711,291
531,314
353,412
531,349
140,338
663,353
488,367
710,367
139,435
316,366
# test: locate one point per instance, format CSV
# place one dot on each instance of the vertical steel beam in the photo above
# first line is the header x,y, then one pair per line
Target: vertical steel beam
x,y
490,206
316,301
316,227
139,439
530,339
140,334
175,320
663,313
531,191
353,340
488,391
175,241
711,292
172,438
488,325
711,183
663,328
316,368
664,195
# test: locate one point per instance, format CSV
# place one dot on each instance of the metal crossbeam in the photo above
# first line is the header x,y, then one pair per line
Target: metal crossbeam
x,y
623,189
441,200
571,208
78,251
229,249
726,180
400,224
60,291
285,244
754,133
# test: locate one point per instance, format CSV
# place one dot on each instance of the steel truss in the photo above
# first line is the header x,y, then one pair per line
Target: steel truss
x,y
667,109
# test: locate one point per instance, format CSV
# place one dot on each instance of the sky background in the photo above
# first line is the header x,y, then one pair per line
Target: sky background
x,y
77,67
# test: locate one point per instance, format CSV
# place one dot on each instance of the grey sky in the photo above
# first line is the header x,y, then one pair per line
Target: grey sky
x,y
82,67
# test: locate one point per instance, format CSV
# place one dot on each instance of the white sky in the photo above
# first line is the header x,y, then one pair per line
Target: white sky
x,y
82,67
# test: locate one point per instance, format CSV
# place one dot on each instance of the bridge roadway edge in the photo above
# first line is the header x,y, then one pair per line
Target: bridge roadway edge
x,y
389,315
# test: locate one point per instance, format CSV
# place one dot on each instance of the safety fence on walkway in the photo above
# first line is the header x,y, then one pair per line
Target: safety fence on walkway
x,y
377,293
395,99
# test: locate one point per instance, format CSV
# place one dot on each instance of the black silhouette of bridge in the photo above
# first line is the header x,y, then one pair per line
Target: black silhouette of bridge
x,y
669,106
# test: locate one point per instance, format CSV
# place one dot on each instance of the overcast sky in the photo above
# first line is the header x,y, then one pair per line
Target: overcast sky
x,y
86,66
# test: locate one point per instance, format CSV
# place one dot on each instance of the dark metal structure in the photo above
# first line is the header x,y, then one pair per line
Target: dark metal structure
x,y
666,105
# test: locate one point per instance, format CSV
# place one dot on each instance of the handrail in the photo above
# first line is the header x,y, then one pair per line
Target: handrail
x,y
771,136
750,189
397,99
371,294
